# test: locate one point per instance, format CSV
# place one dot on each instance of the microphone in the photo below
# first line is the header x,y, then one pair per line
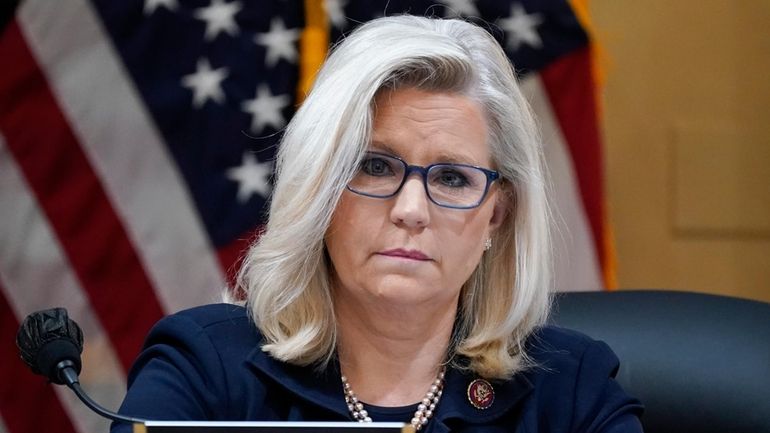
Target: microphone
x,y
50,343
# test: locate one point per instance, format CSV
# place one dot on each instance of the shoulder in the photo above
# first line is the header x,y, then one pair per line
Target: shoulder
x,y
574,384
213,334
212,314
557,336
551,345
207,319
561,356
194,366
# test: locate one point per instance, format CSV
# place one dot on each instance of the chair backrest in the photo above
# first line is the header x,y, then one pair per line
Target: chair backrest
x,y
699,363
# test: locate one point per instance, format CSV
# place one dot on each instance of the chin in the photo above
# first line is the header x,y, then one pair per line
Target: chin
x,y
397,290
402,295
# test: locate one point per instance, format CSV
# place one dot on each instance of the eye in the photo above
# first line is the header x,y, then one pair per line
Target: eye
x,y
376,166
450,177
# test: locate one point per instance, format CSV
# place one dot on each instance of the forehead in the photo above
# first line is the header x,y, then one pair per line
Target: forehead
x,y
426,127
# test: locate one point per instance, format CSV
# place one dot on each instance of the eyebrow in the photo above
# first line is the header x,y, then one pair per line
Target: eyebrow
x,y
442,158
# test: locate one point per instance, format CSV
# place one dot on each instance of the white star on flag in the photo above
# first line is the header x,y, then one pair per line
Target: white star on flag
x,y
456,8
206,83
252,177
151,5
335,10
280,42
521,28
265,109
219,17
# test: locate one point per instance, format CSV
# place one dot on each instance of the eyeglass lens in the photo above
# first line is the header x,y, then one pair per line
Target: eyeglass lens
x,y
451,185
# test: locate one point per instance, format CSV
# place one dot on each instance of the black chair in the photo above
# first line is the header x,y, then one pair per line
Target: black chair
x,y
699,363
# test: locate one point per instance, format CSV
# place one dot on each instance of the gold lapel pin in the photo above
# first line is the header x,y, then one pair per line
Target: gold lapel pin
x,y
481,394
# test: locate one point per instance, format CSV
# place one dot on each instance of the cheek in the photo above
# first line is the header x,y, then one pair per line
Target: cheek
x,y
466,229
335,239
461,246
343,221
345,238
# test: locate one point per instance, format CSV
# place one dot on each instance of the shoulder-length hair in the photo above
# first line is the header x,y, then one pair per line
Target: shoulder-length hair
x,y
286,273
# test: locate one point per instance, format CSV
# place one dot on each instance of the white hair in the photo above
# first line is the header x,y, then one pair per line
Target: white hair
x,y
286,273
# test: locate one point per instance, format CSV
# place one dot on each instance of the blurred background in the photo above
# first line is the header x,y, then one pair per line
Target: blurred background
x,y
686,124
137,139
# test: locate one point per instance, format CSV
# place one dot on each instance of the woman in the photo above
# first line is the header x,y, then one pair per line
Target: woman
x,y
404,271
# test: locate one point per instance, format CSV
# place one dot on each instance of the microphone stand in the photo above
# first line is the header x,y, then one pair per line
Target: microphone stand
x,y
69,376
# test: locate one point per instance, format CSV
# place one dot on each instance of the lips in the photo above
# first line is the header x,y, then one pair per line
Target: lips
x,y
405,254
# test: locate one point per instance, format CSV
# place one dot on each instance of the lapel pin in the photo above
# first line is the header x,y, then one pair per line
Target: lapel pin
x,y
481,394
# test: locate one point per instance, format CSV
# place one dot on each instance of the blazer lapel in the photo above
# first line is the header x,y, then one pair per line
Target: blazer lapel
x,y
323,389
456,407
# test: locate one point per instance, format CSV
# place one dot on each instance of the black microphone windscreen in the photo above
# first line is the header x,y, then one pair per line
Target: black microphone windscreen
x,y
48,337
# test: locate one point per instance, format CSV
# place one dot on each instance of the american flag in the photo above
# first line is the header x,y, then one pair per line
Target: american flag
x,y
137,140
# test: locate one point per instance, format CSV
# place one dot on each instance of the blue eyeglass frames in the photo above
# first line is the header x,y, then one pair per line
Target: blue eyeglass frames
x,y
454,186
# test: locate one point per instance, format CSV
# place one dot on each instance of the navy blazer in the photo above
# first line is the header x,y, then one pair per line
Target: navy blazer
x,y
206,364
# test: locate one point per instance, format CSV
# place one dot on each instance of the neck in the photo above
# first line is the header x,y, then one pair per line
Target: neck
x,y
391,354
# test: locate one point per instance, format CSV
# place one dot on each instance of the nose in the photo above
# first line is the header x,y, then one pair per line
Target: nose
x,y
411,206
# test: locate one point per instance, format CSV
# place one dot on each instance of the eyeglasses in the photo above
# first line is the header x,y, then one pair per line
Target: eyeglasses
x,y
455,186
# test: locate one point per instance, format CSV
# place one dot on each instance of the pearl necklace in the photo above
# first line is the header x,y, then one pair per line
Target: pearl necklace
x,y
421,416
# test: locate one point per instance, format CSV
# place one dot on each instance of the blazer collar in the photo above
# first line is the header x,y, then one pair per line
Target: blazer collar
x,y
325,389
455,403
321,388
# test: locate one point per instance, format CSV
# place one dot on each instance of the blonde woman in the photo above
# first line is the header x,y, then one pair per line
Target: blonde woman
x,y
403,274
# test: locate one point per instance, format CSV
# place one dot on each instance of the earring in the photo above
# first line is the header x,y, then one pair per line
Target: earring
x,y
487,244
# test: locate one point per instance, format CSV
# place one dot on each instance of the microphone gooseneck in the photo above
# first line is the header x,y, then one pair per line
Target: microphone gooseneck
x,y
50,343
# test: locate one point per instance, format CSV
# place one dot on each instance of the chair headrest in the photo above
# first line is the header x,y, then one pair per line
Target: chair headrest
x,y
699,363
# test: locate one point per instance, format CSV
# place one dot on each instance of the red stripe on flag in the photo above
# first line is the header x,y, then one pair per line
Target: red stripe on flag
x,y
69,192
28,404
570,85
231,255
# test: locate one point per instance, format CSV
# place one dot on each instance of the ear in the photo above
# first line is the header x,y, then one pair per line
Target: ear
x,y
503,206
